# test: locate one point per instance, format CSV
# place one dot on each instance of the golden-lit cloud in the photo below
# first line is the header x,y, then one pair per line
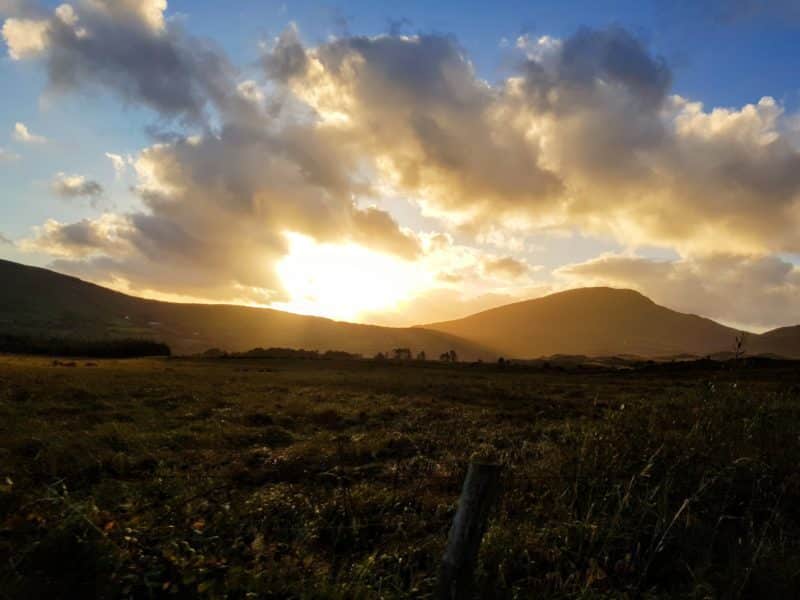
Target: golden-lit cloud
x,y
103,236
507,266
75,186
25,38
585,135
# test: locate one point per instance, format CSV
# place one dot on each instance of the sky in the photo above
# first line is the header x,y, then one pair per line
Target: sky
x,y
405,163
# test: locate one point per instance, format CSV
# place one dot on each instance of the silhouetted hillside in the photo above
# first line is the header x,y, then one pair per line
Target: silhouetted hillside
x,y
39,302
605,321
784,341
588,321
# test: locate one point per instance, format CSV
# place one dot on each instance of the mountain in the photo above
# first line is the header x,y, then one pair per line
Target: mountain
x,y
39,302
605,321
784,341
587,321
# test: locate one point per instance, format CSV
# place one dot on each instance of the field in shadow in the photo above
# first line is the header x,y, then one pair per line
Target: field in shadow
x,y
310,478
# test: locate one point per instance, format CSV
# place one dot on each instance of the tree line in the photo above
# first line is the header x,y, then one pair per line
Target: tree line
x,y
407,354
89,348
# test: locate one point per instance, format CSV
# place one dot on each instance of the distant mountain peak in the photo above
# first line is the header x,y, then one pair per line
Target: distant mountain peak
x,y
601,321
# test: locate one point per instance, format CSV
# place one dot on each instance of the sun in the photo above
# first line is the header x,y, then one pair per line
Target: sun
x,y
343,281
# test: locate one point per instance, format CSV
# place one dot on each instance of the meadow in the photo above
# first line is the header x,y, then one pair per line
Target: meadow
x,y
275,478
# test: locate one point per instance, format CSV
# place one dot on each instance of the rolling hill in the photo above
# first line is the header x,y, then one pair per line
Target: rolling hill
x,y
587,321
35,301
784,341
606,321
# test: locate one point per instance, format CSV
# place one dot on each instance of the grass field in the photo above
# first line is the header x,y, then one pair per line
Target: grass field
x,y
309,478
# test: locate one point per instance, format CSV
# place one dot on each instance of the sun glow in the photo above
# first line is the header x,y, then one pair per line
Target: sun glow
x,y
343,281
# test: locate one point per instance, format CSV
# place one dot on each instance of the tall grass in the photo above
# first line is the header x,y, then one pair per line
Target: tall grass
x,y
326,479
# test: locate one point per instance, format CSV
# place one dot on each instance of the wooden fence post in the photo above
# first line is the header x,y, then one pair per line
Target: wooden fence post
x,y
469,525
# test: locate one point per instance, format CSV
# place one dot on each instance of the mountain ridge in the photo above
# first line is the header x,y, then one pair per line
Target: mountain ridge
x,y
41,301
593,321
602,321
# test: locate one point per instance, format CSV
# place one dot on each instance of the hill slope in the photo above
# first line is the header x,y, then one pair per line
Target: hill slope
x,y
593,322
588,321
36,301
784,341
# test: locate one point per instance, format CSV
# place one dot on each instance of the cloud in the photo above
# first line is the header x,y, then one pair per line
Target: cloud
x,y
84,238
22,134
25,38
415,106
584,135
752,290
5,241
288,56
127,47
7,155
149,13
76,186
216,210
506,267
119,162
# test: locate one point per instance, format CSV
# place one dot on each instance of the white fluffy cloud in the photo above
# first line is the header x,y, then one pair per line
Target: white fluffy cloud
x,y
25,38
21,133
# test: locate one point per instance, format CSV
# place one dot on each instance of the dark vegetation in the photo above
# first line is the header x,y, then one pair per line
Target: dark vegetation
x,y
282,353
104,348
187,478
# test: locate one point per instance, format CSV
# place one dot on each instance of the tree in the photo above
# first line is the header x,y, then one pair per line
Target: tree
x,y
422,356
402,353
739,348
449,356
